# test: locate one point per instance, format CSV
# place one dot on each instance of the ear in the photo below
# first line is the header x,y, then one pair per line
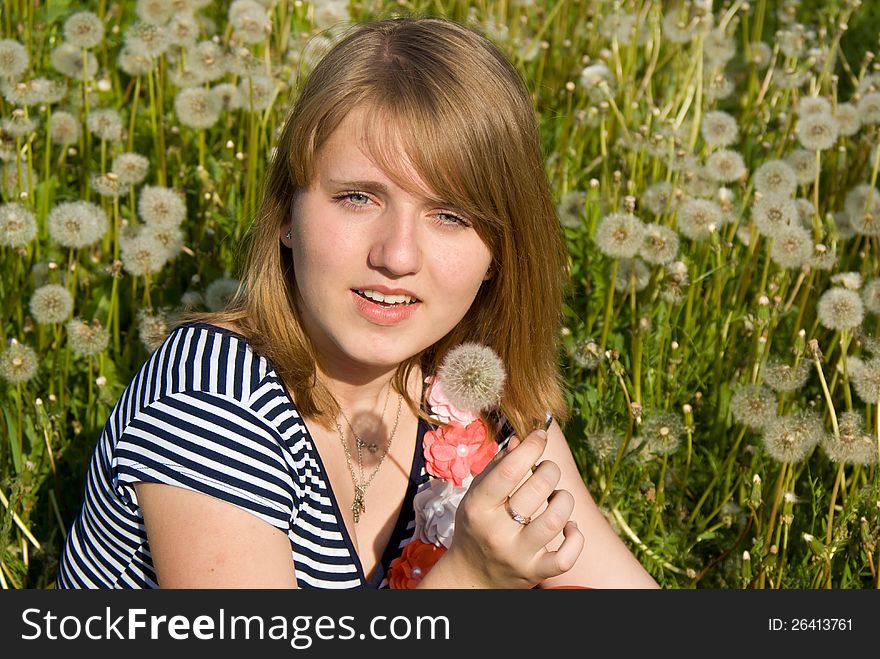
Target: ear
x,y
490,272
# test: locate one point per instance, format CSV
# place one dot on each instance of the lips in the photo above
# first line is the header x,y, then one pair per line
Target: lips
x,y
392,309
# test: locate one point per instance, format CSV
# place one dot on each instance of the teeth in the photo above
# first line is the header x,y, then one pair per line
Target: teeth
x,y
387,299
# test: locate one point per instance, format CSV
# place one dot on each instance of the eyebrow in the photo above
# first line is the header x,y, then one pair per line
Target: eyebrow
x,y
361,185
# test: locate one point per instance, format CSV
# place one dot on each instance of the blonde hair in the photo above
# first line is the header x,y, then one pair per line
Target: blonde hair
x,y
465,120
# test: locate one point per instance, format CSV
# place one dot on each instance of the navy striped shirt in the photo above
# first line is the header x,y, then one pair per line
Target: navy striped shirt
x,y
208,414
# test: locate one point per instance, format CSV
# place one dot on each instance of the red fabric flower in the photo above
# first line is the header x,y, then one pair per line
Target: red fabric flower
x,y
417,559
455,452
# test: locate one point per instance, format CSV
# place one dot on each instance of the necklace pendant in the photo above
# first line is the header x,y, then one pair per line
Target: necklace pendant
x,y
372,447
358,506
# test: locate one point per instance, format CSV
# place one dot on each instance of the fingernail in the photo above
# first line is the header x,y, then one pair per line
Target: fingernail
x,y
574,524
513,443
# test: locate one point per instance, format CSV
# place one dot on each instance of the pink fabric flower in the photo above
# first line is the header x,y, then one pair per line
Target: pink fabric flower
x,y
455,452
417,559
441,408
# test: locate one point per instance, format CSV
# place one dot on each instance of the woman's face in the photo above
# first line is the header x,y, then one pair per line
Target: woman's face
x,y
381,274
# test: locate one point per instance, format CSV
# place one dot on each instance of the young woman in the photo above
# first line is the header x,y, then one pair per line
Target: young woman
x,y
282,443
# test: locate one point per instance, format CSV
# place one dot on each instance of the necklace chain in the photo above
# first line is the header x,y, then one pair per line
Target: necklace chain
x,y
358,506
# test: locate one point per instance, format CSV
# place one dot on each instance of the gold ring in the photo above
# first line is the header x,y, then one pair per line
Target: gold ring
x,y
515,516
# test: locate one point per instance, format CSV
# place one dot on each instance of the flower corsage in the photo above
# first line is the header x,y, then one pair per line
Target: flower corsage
x,y
469,381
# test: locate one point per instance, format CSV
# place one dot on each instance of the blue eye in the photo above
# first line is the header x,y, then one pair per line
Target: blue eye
x,y
452,218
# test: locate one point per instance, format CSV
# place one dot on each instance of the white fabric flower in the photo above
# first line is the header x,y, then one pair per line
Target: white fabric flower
x,y
435,511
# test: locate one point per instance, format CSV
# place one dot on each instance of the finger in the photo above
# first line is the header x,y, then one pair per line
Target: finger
x,y
554,563
548,525
504,476
534,492
512,443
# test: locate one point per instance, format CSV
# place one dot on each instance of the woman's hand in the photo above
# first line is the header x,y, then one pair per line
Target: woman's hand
x,y
490,548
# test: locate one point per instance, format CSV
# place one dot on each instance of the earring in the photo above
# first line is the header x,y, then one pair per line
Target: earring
x,y
288,235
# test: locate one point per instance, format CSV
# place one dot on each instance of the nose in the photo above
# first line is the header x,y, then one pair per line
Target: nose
x,y
395,245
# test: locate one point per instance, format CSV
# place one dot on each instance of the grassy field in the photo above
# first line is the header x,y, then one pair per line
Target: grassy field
x,y
716,168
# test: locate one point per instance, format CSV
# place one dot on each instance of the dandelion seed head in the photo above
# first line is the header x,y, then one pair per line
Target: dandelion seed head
x,y
228,96
130,168
775,177
108,185
780,376
188,77
849,119
586,353
753,405
170,237
14,59
155,12
19,124
330,12
839,308
18,363
805,212
87,340
153,328
773,213
823,258
628,268
196,107
220,293
208,58
792,438
658,197
869,108
662,432
161,206
862,205
571,208
192,300
850,280
105,124
249,21
15,186
718,47
726,166
696,216
84,30
719,129
64,129
619,235
792,247
17,225
852,445
871,295
134,60
473,377
604,445
698,183
51,304
146,39
866,380
803,163
68,60
817,132
77,224
183,30
256,92
808,105
19,93
142,254
660,244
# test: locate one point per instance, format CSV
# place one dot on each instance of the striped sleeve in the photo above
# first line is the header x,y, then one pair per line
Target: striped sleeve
x,y
211,444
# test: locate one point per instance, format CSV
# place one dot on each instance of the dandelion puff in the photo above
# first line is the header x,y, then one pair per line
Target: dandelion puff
x,y
473,377
51,304
105,124
77,224
791,438
209,59
719,129
862,205
806,211
257,92
170,237
726,166
249,21
803,163
658,197
87,340
84,30
761,54
570,209
839,308
698,183
48,91
866,380
604,445
14,185
850,280
817,132
849,119
753,405
18,363
773,213
775,177
660,245
155,12
146,39
629,268
869,108
183,30
196,107
662,432
595,74
19,93
780,376
696,217
813,105
142,254
188,77
619,235
871,296
330,12
792,247
64,129
852,445
19,124
17,225
161,206
153,328
108,185
871,344
130,168
675,282
228,96
220,293
134,60
14,59
823,258
586,353
192,300
718,47
244,63
67,59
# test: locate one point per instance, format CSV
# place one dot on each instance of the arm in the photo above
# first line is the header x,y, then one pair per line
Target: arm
x,y
605,561
198,541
